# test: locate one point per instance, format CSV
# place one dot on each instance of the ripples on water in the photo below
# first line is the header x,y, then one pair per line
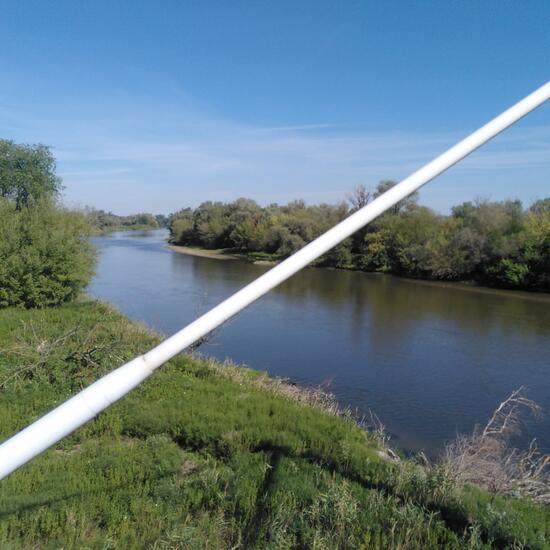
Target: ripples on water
x,y
431,360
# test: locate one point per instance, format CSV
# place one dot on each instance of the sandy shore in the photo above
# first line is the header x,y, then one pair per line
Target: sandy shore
x,y
217,254
202,253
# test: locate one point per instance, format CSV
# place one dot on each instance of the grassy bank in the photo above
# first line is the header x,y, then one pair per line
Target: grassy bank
x,y
205,455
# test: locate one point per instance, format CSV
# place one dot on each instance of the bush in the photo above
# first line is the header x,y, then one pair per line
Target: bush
x,y
509,273
45,257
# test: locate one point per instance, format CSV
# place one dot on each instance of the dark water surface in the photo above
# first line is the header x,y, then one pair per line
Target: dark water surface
x,y
431,360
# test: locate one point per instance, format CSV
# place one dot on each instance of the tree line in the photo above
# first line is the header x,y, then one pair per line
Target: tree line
x,y
105,222
46,257
492,243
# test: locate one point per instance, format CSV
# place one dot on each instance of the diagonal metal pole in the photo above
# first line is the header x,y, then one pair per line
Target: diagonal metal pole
x,y
85,405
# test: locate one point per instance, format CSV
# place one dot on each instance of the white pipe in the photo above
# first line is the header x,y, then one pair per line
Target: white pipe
x,y
66,418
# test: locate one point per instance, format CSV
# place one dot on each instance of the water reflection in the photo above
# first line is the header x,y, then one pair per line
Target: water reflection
x,y
429,359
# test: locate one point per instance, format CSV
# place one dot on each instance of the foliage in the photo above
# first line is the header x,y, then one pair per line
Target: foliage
x,y
204,455
27,173
45,257
104,222
493,243
245,226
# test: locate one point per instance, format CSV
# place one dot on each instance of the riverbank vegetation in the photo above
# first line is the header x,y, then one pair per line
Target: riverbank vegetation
x,y
498,244
107,222
45,256
205,455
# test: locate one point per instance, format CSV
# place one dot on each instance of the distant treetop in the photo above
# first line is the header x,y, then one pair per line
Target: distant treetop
x,y
27,173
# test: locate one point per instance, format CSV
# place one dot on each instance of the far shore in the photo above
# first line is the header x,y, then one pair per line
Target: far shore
x,y
219,254
223,254
204,253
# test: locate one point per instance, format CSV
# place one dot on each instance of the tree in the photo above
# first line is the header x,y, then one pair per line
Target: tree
x,y
487,233
540,207
535,246
27,173
45,256
406,204
162,220
180,225
360,197
210,224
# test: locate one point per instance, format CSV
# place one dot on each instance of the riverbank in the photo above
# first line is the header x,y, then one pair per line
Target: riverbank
x,y
211,455
223,254
220,254
267,260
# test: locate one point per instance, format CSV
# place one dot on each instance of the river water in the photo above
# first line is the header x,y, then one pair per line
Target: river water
x,y
431,360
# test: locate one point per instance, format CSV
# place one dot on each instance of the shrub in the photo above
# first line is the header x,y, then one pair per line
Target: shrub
x,y
45,258
509,273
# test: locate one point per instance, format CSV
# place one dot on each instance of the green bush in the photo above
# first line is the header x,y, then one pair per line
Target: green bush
x,y
45,257
509,273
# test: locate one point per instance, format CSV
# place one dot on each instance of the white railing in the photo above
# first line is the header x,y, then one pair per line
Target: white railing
x,y
84,406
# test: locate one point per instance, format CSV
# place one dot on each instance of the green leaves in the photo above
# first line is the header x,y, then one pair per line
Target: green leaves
x,y
27,173
493,243
45,257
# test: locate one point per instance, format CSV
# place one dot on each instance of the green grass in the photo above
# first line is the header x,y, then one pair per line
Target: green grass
x,y
205,455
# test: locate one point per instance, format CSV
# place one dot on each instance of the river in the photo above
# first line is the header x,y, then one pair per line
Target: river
x,y
431,360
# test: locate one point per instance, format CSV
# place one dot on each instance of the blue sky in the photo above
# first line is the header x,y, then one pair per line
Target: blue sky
x,y
158,105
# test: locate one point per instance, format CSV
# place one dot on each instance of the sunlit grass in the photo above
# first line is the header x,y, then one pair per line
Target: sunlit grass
x,y
210,456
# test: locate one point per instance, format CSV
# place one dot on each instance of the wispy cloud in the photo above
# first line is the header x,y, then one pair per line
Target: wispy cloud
x,y
297,128
129,154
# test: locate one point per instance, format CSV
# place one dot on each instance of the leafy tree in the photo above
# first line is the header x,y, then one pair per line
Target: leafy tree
x,y
535,247
107,221
488,232
181,226
45,256
210,225
247,225
27,173
340,256
143,218
162,220
375,252
406,204
288,242
540,207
